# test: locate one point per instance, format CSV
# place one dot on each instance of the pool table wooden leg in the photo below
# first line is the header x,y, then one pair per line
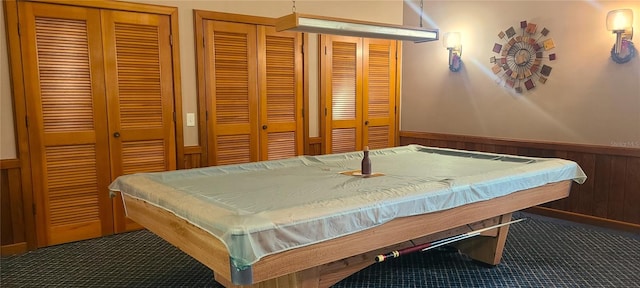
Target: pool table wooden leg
x,y
487,248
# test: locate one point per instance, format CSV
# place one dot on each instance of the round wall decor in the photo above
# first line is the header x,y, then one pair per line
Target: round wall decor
x,y
522,55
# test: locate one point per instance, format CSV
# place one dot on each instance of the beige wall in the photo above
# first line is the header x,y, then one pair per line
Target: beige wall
x,y
389,11
588,98
7,140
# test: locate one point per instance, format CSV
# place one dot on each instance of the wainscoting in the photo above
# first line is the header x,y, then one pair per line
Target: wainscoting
x,y
13,238
192,157
315,146
608,198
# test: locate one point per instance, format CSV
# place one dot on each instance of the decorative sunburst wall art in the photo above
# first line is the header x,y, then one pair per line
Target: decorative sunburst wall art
x,y
522,55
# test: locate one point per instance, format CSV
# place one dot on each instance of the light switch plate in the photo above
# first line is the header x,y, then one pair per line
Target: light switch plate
x,y
191,119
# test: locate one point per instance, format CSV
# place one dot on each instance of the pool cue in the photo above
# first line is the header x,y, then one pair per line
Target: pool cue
x,y
438,243
398,253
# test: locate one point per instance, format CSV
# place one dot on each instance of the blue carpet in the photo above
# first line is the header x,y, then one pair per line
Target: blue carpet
x,y
540,252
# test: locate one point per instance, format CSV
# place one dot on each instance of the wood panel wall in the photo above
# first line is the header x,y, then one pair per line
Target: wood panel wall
x,y
610,197
192,157
13,238
314,146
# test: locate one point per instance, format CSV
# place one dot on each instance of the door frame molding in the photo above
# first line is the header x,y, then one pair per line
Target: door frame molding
x,y
35,237
20,118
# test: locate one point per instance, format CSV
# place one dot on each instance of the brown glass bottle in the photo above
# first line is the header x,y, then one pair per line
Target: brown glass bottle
x,y
366,162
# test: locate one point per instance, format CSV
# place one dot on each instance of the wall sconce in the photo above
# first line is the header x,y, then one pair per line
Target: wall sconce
x,y
452,41
620,22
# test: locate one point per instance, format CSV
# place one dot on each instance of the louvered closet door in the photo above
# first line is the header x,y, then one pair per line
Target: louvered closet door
x,y
379,64
67,118
231,96
138,73
344,94
280,82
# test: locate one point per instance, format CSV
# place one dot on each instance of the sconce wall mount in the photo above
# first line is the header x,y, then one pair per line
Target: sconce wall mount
x,y
620,22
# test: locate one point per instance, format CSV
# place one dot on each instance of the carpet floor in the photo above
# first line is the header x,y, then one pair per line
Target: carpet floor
x,y
540,252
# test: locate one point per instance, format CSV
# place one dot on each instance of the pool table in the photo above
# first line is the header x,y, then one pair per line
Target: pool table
x,y
326,221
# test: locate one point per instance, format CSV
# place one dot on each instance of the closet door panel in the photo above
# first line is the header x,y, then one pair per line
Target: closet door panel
x,y
67,118
344,93
139,90
280,83
231,96
344,140
379,85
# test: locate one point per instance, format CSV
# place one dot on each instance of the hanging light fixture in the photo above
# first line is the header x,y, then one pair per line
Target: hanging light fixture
x,y
347,27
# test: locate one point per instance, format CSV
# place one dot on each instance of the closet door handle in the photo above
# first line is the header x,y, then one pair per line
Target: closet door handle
x,y
264,127
116,135
366,123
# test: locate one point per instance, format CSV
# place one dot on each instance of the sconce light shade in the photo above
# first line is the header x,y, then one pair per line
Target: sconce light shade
x,y
452,40
619,20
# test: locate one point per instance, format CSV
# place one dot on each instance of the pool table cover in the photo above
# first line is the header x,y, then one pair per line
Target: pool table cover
x,y
257,209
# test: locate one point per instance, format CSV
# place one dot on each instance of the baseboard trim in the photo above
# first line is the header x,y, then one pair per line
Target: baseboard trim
x,y
13,249
584,219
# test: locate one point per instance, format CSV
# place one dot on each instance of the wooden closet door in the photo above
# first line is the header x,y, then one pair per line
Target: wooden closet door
x,y
139,89
67,121
231,96
379,107
343,96
280,86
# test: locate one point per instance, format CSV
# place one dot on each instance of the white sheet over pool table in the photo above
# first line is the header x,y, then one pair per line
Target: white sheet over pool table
x,y
264,208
